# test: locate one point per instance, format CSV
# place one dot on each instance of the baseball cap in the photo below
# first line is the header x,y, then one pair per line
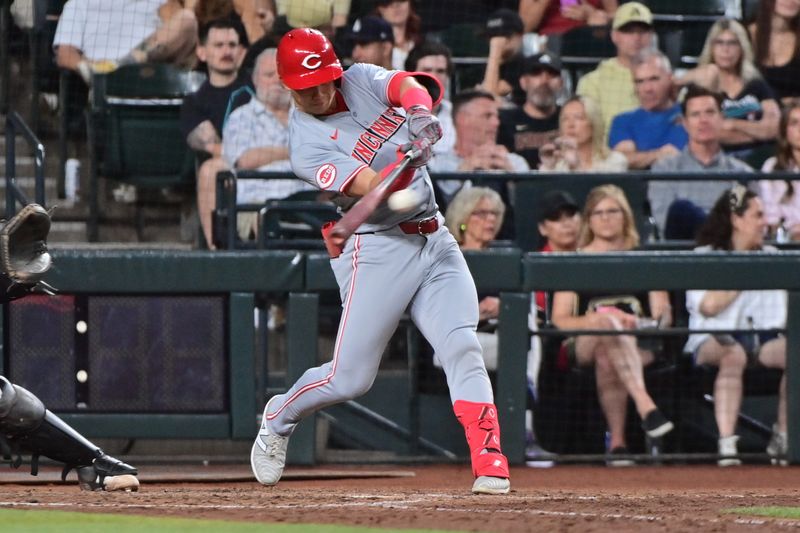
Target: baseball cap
x,y
371,29
555,202
538,62
632,12
503,22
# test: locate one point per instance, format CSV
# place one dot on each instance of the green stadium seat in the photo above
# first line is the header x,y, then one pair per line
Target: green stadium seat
x,y
135,132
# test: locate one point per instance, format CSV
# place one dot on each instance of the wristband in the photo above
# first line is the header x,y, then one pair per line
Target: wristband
x,y
416,96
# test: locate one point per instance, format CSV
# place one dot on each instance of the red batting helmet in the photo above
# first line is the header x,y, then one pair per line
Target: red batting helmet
x,y
306,58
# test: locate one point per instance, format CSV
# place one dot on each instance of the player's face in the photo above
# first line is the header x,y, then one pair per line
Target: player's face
x,y
653,85
793,128
436,66
607,220
483,224
575,123
562,233
541,88
222,52
726,50
749,229
317,100
703,120
376,53
268,86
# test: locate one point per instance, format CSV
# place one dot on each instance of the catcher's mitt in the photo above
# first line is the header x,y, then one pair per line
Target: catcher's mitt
x,y
24,258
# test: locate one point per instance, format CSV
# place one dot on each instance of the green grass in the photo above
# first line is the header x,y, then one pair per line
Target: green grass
x,y
35,521
772,512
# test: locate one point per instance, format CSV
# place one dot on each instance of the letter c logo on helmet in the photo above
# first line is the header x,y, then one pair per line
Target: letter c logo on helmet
x,y
306,59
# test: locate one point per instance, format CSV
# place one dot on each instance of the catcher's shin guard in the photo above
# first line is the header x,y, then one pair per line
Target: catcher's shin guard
x,y
483,437
27,426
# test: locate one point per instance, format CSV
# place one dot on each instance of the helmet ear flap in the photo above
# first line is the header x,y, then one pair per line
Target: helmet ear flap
x,y
306,58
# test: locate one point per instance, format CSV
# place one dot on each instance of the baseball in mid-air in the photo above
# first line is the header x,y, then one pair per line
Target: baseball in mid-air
x,y
403,200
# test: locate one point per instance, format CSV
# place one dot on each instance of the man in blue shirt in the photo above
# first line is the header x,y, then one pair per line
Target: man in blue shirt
x,y
653,130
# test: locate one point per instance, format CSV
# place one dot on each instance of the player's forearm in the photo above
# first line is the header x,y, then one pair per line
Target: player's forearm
x,y
263,155
366,180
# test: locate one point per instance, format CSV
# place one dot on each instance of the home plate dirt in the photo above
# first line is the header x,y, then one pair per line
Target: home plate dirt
x,y
564,498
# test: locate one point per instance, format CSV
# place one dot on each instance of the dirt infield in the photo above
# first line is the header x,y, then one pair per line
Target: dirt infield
x,y
564,498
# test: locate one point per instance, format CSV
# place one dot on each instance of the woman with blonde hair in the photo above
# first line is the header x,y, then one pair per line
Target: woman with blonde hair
x,y
474,217
726,65
581,144
609,226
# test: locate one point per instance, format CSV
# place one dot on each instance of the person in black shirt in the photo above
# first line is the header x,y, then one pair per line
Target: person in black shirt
x,y
504,64
527,128
203,113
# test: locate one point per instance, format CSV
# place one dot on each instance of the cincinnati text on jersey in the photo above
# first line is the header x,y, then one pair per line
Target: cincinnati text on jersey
x,y
378,133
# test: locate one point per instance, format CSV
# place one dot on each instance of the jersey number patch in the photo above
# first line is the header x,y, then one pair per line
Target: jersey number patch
x,y
325,176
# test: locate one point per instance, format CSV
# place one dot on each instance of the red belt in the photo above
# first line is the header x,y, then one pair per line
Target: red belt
x,y
420,227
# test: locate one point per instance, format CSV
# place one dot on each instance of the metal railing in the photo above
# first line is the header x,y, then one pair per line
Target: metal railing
x,y
15,124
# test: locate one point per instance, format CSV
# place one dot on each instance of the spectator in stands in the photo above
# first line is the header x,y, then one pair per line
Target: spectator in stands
x,y
203,113
435,59
374,41
781,199
406,26
559,224
654,130
548,17
776,43
749,107
680,207
526,128
611,83
99,35
256,137
254,18
580,146
504,64
608,226
476,118
328,16
737,223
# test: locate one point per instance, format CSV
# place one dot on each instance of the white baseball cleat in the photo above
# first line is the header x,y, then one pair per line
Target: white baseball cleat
x,y
490,485
268,455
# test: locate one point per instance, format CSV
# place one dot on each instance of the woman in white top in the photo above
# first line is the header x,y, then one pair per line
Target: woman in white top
x,y
580,146
406,27
782,197
737,223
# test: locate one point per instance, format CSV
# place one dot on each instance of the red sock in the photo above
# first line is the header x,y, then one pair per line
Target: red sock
x,y
483,437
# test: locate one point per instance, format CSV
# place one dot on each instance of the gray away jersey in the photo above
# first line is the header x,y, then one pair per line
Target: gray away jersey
x,y
329,151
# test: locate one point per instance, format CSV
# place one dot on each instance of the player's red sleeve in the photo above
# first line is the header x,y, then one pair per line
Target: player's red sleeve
x,y
431,84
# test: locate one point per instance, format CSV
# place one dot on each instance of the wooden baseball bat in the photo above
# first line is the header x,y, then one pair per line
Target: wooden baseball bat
x,y
362,209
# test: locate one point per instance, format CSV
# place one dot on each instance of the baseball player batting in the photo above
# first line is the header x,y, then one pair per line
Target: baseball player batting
x,y
349,132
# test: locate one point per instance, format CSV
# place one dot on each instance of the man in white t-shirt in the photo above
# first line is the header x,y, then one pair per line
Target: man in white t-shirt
x,y
99,35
